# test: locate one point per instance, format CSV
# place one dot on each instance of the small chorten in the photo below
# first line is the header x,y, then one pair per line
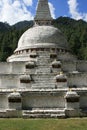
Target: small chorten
x,y
30,65
25,79
72,107
14,97
56,64
72,96
61,77
14,100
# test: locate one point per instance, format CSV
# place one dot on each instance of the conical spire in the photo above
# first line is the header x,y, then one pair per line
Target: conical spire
x,y
43,15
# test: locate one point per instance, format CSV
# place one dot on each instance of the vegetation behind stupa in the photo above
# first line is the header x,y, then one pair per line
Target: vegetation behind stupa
x,y
74,31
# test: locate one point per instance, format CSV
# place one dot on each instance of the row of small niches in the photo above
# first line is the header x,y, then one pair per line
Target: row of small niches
x,y
41,49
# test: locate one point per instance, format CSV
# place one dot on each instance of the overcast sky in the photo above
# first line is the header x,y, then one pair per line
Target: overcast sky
x,y
13,11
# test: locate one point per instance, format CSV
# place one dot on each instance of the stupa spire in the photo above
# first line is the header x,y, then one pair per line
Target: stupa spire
x,y
43,15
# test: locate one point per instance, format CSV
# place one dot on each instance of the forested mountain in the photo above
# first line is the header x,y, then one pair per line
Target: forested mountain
x,y
74,31
4,27
23,25
76,34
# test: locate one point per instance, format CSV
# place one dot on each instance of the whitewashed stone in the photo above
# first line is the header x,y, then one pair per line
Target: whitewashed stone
x,y
33,74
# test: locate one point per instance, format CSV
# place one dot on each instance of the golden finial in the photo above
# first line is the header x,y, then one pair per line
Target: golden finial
x,y
70,89
61,73
14,90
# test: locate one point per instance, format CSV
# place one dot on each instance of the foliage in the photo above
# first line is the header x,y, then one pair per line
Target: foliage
x,y
76,34
9,38
74,31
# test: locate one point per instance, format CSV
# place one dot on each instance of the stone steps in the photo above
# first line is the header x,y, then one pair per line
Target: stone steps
x,y
44,79
44,86
44,114
43,70
43,60
43,75
42,82
44,55
43,67
42,63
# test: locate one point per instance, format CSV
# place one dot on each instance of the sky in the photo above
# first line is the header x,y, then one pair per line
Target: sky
x,y
13,11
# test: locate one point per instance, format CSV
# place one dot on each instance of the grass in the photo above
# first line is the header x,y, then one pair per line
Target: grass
x,y
43,124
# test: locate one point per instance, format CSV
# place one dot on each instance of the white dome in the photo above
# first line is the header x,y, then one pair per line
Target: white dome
x,y
42,36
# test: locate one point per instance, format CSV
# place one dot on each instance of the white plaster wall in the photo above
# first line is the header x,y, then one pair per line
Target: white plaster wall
x,y
5,67
16,106
3,102
78,80
31,71
82,66
43,102
54,70
72,105
44,77
0,82
66,56
61,85
13,113
25,85
68,66
17,67
9,81
83,101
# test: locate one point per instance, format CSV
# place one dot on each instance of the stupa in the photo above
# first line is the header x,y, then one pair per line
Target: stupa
x,y
42,78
